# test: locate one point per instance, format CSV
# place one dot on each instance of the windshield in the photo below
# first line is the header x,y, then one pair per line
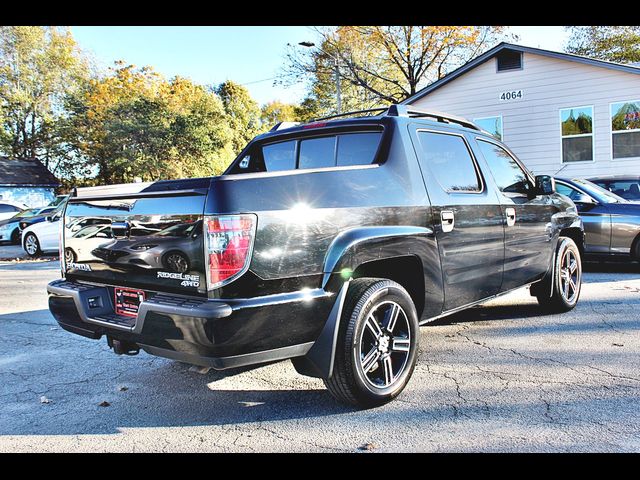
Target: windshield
x,y
87,231
26,213
598,192
57,201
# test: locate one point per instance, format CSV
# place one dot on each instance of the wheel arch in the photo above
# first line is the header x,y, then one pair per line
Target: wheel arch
x,y
576,234
175,250
389,252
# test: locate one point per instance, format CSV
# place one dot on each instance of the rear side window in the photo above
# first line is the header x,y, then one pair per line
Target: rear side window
x,y
279,156
342,150
449,159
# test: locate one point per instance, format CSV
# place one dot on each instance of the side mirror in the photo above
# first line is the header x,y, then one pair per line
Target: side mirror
x,y
545,185
583,199
49,218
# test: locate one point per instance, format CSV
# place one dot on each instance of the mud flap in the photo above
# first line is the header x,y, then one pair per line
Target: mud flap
x,y
318,362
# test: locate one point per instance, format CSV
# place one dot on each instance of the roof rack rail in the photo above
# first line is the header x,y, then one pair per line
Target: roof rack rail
x,y
404,111
346,114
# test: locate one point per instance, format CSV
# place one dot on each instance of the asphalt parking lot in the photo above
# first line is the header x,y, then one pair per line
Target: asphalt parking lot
x,y
500,377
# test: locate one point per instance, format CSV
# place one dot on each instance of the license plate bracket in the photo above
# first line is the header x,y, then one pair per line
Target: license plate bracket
x,y
127,301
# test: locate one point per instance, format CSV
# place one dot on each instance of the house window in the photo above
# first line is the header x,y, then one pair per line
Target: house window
x,y
493,125
509,60
625,129
576,125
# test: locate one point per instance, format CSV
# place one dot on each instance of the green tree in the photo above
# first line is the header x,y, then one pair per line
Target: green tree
x,y
39,66
275,112
133,123
379,65
243,113
613,43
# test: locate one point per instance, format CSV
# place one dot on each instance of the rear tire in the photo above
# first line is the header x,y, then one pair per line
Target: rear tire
x,y
566,283
69,255
377,343
32,245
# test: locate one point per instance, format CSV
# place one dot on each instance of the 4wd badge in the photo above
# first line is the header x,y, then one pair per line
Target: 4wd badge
x,y
187,280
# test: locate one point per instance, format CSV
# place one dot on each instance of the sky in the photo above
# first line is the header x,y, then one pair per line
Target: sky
x,y
251,56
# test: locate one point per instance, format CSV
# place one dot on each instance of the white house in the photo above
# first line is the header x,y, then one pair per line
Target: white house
x,y
556,111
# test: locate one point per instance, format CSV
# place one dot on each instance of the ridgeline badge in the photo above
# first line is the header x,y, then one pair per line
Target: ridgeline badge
x,y
187,280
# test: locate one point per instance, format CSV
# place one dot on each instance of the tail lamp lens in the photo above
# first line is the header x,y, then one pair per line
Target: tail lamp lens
x,y
229,242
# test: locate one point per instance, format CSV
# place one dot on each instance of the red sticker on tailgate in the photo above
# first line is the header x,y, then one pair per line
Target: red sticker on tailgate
x,y
127,301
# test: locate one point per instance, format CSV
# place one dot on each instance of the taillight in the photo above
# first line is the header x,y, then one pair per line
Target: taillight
x,y
229,242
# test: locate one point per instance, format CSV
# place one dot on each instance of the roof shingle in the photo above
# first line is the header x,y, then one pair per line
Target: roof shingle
x,y
25,172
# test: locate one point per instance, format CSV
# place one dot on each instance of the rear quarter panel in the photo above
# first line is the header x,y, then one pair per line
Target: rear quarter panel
x,y
300,213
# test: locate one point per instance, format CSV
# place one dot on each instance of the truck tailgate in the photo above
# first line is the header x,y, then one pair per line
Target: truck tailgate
x,y
145,236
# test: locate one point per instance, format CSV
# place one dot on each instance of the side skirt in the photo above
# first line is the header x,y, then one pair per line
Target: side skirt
x,y
473,304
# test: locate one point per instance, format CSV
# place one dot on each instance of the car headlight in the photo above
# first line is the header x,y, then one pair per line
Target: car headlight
x,y
143,247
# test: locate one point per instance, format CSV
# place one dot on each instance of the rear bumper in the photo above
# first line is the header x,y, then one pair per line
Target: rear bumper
x,y
215,333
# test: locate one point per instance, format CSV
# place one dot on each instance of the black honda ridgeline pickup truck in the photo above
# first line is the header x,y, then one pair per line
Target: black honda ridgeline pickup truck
x,y
327,243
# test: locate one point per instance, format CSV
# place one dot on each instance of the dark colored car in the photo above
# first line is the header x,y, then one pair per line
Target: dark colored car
x,y
625,186
177,248
611,223
10,228
327,243
55,206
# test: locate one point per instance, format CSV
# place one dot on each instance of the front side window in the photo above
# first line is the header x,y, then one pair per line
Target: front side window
x,y
449,159
509,176
493,125
576,125
567,190
625,129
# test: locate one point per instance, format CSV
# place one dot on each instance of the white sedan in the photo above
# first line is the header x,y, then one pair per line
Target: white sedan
x,y
78,247
42,237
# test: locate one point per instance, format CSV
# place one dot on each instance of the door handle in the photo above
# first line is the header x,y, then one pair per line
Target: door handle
x,y
447,219
510,213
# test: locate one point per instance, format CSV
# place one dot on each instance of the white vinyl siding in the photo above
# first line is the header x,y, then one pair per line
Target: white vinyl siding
x,y
531,125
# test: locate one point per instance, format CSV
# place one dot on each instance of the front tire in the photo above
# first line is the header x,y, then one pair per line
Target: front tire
x,y
32,245
566,283
176,262
15,237
377,343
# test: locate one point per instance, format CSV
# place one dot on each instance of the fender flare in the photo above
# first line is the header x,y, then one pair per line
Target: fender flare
x,y
348,250
356,246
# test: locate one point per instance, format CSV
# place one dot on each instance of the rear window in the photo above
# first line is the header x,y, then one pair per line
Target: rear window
x,y
626,189
357,148
342,150
279,156
317,152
